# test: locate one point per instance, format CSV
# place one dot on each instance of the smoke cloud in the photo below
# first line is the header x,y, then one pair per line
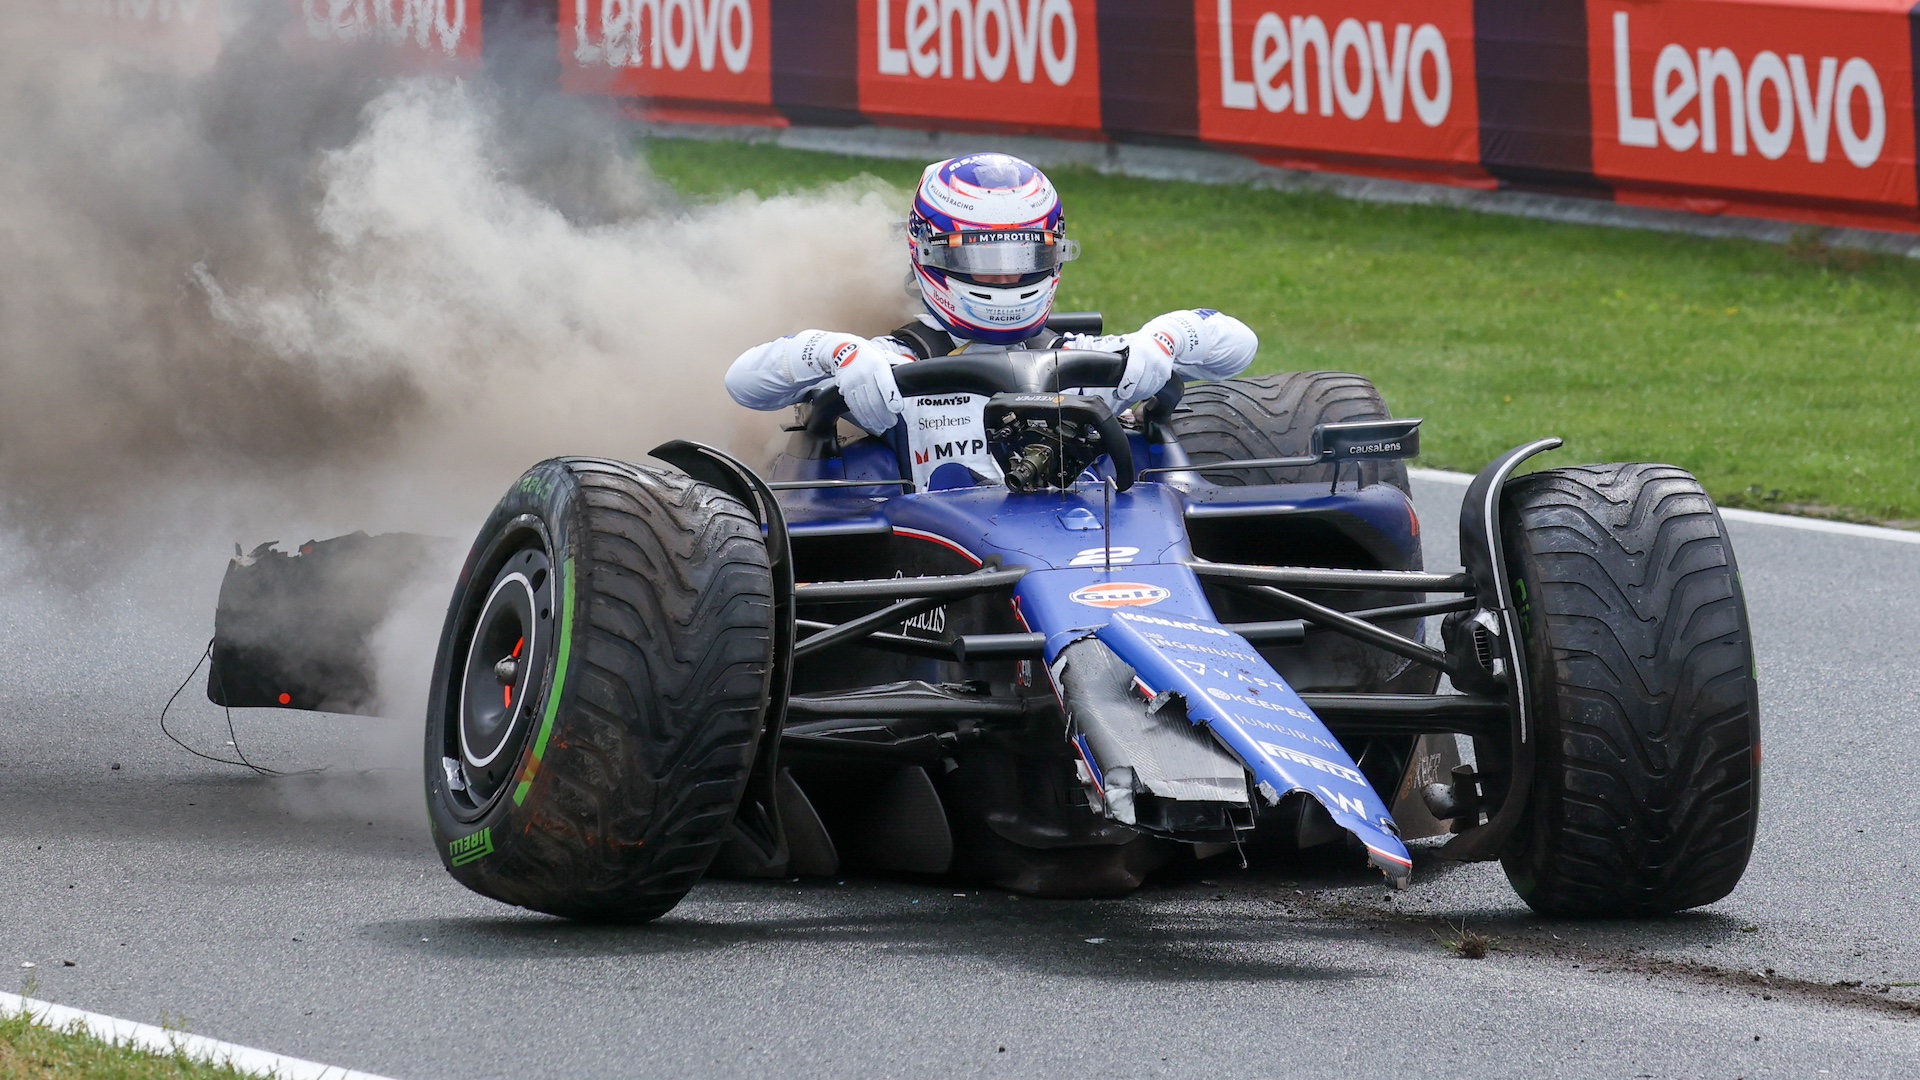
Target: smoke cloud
x,y
292,293
294,267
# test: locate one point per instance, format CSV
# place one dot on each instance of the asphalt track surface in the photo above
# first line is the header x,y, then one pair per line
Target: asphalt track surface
x,y
309,915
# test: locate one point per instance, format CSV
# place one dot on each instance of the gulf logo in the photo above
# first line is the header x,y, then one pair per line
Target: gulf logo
x,y
1119,594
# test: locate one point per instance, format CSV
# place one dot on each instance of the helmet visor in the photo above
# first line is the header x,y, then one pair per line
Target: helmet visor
x,y
1000,251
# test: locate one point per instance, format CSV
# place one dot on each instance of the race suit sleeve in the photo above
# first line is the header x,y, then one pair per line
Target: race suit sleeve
x,y
782,372
1206,343
1196,344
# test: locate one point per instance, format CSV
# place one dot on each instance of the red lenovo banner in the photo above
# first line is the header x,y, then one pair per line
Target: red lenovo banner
x,y
431,30
1796,109
697,53
1387,80
1810,100
1025,64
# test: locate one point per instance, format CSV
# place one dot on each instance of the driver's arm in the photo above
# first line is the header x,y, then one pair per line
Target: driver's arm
x,y
1206,344
1196,344
782,372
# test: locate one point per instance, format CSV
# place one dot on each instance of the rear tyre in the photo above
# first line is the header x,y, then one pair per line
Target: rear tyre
x,y
600,687
1269,416
1646,792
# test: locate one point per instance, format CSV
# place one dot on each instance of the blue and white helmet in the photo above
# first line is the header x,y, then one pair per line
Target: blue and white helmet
x,y
991,217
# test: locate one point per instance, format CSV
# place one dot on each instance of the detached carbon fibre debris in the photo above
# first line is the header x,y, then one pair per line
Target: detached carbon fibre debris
x,y
294,629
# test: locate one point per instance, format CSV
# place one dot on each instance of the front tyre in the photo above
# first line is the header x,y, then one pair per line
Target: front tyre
x,y
600,686
1647,786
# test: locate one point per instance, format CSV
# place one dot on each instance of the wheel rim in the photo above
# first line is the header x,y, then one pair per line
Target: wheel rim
x,y
501,679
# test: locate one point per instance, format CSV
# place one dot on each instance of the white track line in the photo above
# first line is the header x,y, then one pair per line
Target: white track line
x,y
199,1048
1753,517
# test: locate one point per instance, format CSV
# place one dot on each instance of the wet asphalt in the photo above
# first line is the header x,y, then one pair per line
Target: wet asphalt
x,y
309,915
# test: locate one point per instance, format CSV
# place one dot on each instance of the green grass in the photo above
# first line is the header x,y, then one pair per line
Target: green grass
x,y
1784,377
29,1050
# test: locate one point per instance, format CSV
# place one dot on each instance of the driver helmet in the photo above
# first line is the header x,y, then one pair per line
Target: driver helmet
x,y
988,239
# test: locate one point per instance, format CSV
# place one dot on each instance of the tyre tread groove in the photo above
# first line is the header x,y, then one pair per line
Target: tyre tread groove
x,y
662,709
1647,792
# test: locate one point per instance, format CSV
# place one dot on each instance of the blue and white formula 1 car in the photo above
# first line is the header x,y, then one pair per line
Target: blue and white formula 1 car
x,y
1187,631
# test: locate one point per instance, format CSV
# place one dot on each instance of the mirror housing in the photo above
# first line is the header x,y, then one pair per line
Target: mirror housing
x,y
1366,440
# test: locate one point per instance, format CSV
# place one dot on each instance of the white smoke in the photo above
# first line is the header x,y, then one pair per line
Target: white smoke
x,y
522,333
289,294
294,268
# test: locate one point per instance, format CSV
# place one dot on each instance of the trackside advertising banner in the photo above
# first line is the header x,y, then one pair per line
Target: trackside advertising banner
x,y
1811,100
421,31
691,52
1025,64
1797,109
1386,80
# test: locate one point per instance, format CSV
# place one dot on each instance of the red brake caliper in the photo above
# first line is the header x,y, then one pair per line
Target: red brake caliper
x,y
508,689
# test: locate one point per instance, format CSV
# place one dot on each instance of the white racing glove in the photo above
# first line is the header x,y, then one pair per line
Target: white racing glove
x,y
864,373
1150,355
1199,344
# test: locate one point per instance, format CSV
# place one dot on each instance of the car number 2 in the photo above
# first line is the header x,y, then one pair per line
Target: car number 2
x,y
1118,556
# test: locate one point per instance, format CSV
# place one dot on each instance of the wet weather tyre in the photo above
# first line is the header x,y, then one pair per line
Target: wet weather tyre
x,y
1269,416
600,687
1646,792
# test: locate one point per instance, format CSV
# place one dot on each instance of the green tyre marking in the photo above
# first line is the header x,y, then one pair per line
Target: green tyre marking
x,y
471,848
553,695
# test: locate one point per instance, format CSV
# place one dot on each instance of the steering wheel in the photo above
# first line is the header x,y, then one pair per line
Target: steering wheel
x,y
1038,371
